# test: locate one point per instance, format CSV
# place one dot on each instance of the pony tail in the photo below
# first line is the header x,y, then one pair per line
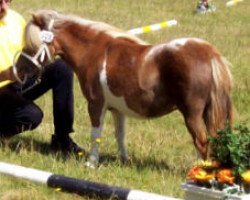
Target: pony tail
x,y
219,109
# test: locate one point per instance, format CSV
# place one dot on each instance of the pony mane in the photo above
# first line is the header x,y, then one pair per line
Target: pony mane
x,y
105,28
32,37
45,17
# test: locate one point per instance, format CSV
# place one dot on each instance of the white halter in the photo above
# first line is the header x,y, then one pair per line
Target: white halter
x,y
43,51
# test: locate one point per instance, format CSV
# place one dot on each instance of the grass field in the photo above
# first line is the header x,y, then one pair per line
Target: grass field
x,y
161,149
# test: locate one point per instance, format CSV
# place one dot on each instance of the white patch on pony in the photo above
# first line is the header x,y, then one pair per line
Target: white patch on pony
x,y
177,43
96,133
111,100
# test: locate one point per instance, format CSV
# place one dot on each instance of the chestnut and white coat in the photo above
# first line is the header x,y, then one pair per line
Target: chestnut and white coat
x,y
121,73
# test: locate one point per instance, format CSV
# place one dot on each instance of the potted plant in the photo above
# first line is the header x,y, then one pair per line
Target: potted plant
x,y
227,175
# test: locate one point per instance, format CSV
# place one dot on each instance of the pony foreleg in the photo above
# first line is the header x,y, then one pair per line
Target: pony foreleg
x,y
94,151
96,113
96,131
119,120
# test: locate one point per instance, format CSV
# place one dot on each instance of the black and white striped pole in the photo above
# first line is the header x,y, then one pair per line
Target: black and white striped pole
x,y
77,186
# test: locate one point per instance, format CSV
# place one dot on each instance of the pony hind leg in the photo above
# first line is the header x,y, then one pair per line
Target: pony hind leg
x,y
194,123
119,120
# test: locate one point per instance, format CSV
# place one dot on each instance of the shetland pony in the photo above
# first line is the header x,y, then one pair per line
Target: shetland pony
x,y
121,73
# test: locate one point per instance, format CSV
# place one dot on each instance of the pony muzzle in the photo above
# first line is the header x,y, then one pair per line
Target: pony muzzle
x,y
36,62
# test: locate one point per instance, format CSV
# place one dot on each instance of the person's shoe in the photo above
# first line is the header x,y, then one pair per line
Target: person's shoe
x,y
66,145
201,8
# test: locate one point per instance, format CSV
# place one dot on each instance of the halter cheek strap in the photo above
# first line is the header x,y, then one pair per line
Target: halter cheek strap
x,y
15,73
41,53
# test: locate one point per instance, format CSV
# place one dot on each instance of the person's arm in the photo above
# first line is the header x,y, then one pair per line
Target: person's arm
x,y
16,24
7,75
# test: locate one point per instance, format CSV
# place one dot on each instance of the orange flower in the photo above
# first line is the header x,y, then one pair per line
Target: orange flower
x,y
208,164
246,176
225,176
199,174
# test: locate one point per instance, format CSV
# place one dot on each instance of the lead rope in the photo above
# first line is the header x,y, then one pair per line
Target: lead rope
x,y
14,70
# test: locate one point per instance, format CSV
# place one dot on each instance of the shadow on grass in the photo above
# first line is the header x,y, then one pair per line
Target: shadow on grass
x,y
20,142
139,163
31,144
150,163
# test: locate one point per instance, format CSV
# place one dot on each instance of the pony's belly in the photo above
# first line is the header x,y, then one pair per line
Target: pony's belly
x,y
150,109
113,101
152,106
119,104
159,111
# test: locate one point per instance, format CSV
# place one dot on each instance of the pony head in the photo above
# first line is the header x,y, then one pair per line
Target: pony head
x,y
38,50
41,20
39,32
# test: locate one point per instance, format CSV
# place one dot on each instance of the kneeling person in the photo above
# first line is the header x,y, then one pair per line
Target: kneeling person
x,y
18,112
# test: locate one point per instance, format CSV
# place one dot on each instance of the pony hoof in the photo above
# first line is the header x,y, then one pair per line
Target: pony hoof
x,y
126,160
92,162
90,165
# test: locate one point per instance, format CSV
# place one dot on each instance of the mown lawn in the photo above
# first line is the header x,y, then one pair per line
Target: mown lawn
x,y
161,149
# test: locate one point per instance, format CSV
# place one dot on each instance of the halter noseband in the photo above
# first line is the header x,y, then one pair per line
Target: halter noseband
x,y
43,51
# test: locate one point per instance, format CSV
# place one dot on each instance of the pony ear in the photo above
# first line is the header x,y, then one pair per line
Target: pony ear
x,y
37,20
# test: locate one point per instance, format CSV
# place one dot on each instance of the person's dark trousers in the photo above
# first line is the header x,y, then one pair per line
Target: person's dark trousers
x,y
18,112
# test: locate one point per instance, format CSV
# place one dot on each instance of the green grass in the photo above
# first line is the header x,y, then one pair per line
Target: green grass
x,y
161,149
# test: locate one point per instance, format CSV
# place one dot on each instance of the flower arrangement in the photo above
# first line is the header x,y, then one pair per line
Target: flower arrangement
x,y
229,168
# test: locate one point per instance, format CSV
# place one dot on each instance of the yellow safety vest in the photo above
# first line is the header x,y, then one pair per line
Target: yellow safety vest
x,y
11,39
